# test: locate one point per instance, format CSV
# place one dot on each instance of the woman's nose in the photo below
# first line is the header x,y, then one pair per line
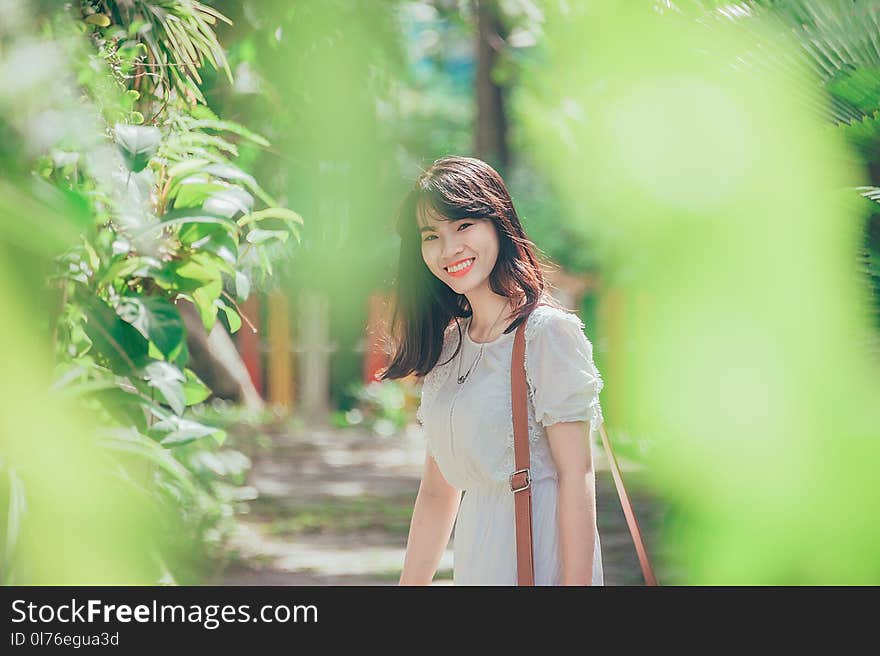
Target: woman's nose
x,y
453,246
451,252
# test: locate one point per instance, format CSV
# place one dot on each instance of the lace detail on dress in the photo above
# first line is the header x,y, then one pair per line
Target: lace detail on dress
x,y
435,378
540,457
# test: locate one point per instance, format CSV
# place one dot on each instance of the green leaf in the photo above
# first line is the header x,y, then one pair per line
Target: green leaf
x,y
231,316
120,268
181,431
234,174
242,286
229,202
168,379
132,442
211,238
186,167
175,431
135,25
101,20
204,298
189,215
231,173
195,142
194,390
125,407
70,375
194,191
155,318
258,235
180,356
119,342
199,268
265,261
94,260
286,215
234,128
212,261
137,144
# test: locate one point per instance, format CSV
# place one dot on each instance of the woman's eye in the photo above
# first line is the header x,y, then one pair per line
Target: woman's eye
x,y
463,225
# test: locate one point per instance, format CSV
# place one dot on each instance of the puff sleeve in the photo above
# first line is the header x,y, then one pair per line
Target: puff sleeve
x,y
564,382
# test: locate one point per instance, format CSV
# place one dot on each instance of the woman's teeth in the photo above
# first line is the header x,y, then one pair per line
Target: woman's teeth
x,y
461,267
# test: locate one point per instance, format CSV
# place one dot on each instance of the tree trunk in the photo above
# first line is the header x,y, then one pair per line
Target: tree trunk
x,y
214,359
490,138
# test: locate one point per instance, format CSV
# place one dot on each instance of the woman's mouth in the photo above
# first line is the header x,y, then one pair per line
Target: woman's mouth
x,y
461,268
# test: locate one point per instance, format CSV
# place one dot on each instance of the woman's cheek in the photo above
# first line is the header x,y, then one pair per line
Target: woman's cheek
x,y
427,256
428,264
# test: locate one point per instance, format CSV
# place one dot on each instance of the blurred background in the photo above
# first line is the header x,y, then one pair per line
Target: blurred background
x,y
197,260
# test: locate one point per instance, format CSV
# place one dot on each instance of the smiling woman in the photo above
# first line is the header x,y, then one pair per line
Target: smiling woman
x,y
459,209
474,261
453,249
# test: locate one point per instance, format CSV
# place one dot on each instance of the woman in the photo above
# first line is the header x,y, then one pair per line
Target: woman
x,y
468,276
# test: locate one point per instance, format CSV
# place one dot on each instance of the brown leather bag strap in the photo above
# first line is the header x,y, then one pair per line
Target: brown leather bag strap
x,y
520,479
642,553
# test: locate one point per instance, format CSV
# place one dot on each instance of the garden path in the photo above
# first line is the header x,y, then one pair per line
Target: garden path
x,y
334,509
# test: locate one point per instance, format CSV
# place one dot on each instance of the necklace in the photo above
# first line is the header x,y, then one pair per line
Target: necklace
x,y
463,378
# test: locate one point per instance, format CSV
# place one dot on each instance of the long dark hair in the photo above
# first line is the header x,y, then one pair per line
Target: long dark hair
x,y
456,188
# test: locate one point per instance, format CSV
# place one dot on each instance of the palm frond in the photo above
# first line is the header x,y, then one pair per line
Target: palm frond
x,y
180,40
838,42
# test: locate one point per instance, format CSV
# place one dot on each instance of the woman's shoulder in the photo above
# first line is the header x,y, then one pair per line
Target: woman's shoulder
x,y
547,319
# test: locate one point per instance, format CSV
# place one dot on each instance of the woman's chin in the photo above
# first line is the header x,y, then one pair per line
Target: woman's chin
x,y
465,287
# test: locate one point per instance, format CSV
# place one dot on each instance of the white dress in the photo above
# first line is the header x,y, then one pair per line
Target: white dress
x,y
469,432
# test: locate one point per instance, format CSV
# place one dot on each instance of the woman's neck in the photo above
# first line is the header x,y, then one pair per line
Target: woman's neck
x,y
489,318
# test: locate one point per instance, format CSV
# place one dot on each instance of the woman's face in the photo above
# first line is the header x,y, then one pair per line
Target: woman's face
x,y
467,246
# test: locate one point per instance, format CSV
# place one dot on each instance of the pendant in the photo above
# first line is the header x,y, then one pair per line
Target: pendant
x,y
461,379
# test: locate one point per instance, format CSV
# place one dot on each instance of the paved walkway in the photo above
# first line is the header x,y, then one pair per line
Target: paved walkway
x,y
335,506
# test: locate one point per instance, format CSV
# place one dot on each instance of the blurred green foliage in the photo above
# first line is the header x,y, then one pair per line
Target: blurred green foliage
x,y
133,181
700,148
385,407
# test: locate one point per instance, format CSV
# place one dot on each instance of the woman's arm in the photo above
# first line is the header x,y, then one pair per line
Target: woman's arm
x,y
576,506
431,526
